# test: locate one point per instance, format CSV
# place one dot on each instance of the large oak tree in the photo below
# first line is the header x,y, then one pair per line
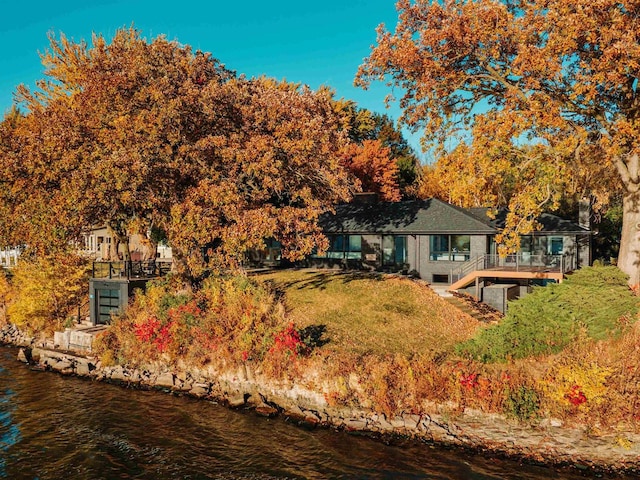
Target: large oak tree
x,y
561,76
138,134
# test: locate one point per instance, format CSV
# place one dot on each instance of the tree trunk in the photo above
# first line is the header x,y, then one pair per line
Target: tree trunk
x,y
629,256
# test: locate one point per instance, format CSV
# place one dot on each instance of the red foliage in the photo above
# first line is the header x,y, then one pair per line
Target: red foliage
x,y
145,331
152,331
576,396
189,309
469,381
288,340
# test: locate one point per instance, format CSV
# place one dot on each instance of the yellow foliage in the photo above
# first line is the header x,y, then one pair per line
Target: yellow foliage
x,y
575,386
5,290
46,291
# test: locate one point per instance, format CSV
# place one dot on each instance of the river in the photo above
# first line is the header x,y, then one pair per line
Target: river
x,y
55,427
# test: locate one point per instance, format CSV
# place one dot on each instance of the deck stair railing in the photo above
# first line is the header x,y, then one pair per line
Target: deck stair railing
x,y
518,262
476,263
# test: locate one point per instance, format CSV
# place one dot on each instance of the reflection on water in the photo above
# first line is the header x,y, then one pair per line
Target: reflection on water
x,y
54,427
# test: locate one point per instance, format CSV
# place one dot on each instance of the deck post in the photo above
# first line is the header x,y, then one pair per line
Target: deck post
x,y
477,288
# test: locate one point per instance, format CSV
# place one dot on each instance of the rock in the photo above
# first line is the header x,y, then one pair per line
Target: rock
x,y
84,367
397,423
266,410
62,366
35,354
381,422
117,374
199,390
184,386
24,355
164,380
411,421
551,422
355,424
237,401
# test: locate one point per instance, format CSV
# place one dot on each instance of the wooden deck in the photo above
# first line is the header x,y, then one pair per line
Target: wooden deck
x,y
507,272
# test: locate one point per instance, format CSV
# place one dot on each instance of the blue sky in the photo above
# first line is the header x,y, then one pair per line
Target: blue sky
x,y
311,42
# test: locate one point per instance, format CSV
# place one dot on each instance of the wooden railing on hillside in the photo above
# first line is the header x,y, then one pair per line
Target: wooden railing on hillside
x,y
131,269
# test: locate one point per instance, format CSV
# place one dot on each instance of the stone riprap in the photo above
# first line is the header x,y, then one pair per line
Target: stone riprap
x,y
548,441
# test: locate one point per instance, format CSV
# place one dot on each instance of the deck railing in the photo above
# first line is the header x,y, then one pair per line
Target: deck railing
x,y
518,262
131,269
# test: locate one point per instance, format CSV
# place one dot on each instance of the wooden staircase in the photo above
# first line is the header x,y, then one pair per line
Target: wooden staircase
x,y
477,310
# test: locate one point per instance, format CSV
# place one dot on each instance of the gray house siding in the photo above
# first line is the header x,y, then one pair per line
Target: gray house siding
x,y
430,237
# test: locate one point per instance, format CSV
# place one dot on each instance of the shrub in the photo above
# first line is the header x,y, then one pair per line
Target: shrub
x,y
551,317
574,386
46,291
522,403
229,319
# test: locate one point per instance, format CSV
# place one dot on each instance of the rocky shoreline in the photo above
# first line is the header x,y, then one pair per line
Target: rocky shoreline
x,y
548,442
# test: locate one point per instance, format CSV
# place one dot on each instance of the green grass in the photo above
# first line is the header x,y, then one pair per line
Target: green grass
x,y
371,313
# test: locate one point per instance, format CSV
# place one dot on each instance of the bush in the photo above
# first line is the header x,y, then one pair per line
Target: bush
x,y
231,319
46,291
546,321
522,403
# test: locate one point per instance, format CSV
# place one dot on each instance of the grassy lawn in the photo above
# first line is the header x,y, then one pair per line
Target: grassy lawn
x,y
371,313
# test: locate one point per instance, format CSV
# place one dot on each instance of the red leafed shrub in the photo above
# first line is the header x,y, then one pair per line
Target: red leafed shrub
x,y
145,331
154,332
576,396
470,381
288,341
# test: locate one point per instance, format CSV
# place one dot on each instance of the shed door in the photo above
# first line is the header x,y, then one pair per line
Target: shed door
x,y
108,300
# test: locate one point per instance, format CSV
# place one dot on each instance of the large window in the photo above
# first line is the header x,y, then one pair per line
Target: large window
x,y
343,247
453,248
394,250
538,245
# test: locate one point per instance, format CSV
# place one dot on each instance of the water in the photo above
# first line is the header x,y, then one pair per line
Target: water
x,y
54,427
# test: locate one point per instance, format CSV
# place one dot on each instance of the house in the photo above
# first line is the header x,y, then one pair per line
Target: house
x,y
99,243
9,256
114,281
442,243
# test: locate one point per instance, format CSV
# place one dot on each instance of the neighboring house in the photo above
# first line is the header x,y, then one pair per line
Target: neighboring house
x,y
99,244
9,257
113,281
442,243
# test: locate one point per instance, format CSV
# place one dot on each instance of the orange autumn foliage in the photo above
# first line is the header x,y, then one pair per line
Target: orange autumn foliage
x,y
373,165
558,76
137,134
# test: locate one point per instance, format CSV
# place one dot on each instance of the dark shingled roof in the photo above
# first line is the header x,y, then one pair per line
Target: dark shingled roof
x,y
431,216
550,223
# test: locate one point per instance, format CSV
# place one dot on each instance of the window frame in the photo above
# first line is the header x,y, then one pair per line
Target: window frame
x,y
448,248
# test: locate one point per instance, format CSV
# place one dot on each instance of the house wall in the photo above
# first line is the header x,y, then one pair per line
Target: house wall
x,y
100,245
439,268
371,251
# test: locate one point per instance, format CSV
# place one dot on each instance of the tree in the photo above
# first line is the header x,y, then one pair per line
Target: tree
x,y
362,125
145,135
373,165
559,75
